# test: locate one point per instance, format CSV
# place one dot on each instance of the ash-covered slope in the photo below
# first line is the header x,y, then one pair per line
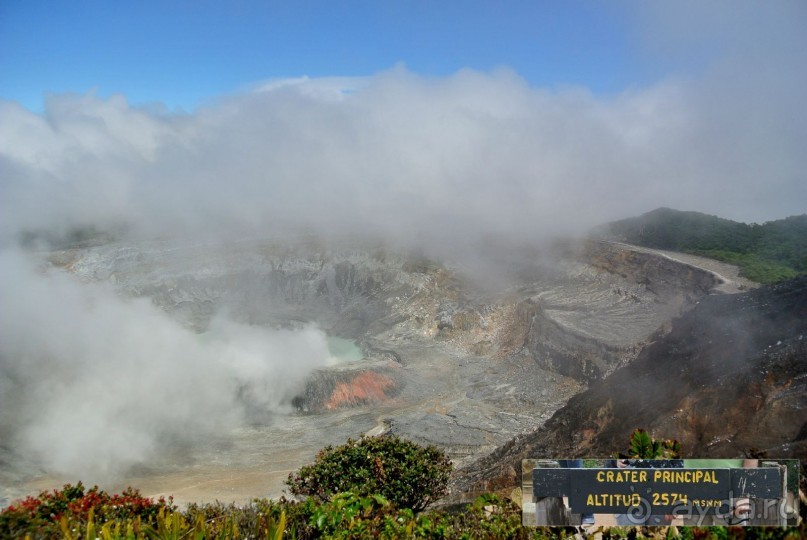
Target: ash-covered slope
x,y
729,378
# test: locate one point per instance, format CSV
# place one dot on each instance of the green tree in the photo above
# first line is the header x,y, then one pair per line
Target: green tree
x,y
404,473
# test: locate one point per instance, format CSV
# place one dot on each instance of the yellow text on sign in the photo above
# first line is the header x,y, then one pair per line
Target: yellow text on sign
x,y
622,476
667,499
685,477
613,499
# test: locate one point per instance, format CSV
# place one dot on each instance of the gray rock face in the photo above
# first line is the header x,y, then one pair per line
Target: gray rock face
x,y
261,284
727,379
450,361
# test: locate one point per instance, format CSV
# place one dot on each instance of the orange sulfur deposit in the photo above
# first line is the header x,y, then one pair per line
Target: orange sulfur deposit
x,y
366,387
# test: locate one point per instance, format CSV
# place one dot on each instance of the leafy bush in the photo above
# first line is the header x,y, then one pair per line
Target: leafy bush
x,y
404,473
41,516
349,515
488,517
643,446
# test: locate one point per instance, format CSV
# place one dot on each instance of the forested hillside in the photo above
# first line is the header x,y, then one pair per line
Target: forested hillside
x,y
767,253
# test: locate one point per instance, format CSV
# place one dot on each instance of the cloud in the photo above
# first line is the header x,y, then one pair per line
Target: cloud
x,y
397,153
745,98
91,383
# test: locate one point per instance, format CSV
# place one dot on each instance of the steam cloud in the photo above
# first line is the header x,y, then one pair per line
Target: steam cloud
x,y
91,382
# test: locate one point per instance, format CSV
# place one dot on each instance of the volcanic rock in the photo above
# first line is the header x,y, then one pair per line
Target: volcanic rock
x,y
727,379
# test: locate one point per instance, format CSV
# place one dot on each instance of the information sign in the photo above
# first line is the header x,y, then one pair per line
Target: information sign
x,y
656,491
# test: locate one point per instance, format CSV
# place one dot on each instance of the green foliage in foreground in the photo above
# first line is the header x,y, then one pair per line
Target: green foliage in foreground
x,y
767,253
347,515
44,516
75,512
406,474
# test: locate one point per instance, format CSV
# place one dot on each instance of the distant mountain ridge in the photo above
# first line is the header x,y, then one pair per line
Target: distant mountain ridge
x,y
767,253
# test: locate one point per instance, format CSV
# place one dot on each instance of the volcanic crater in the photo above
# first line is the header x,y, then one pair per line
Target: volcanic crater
x,y
451,356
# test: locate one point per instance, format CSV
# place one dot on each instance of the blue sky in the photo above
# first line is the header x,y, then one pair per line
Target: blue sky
x,y
183,53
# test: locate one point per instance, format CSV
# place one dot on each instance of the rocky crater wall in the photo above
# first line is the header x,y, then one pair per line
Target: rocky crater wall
x,y
583,315
728,379
672,281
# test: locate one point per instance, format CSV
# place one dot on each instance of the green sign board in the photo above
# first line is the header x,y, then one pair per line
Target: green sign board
x,y
656,491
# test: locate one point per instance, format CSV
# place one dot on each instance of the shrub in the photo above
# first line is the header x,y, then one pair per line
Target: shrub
x,y
404,473
349,515
643,446
41,515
